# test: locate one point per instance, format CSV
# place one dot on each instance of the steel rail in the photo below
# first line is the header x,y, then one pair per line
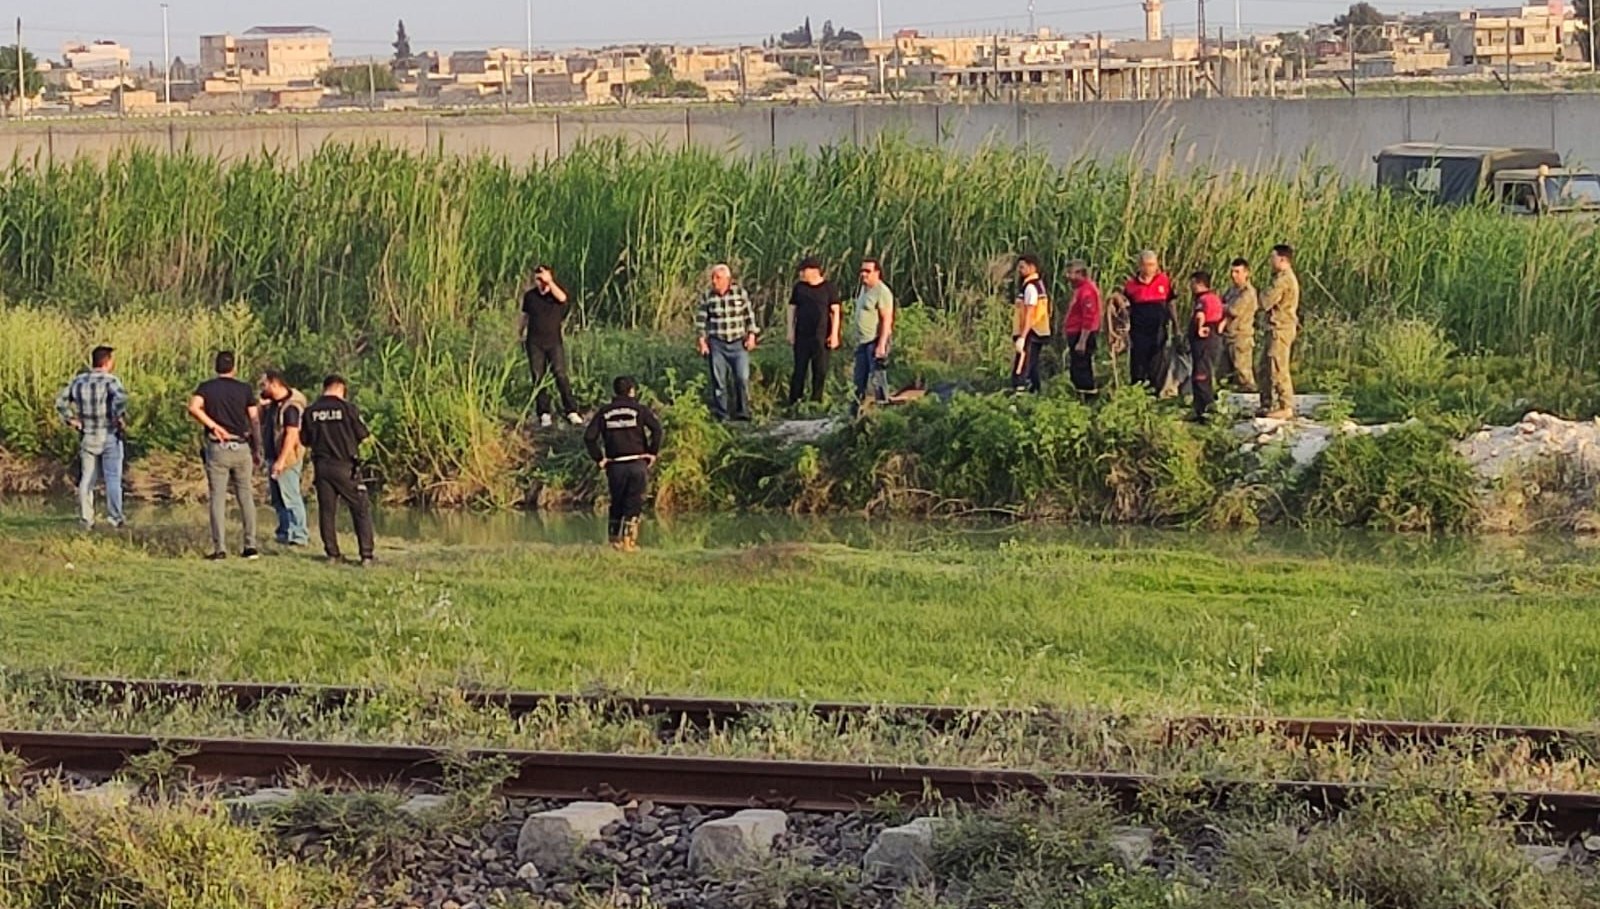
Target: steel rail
x,y
710,711
708,782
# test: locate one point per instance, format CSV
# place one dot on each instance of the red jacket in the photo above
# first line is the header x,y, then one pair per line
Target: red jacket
x,y
1084,313
1208,306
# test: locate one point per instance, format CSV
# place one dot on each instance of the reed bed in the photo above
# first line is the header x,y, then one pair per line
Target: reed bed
x,y
402,270
372,239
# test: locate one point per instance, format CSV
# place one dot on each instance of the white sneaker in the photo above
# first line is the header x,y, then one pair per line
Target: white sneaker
x,y
574,419
544,421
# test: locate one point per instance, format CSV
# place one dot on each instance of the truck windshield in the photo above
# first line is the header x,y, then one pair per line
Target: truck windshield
x,y
1566,192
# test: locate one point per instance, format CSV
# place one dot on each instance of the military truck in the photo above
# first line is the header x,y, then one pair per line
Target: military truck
x,y
1520,181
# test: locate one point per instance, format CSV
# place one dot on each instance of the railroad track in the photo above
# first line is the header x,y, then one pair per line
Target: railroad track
x,y
708,712
710,782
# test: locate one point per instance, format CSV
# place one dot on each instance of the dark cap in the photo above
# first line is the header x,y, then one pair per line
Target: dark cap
x,y
811,262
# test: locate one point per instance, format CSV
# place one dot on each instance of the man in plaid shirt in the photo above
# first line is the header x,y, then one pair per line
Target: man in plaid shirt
x,y
95,404
726,324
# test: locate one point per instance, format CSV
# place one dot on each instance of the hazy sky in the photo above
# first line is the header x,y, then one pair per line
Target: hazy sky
x,y
365,29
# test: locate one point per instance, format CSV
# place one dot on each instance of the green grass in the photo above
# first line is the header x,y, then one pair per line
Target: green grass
x,y
1152,623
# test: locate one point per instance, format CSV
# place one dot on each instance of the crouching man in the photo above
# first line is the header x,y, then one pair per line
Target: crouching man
x,y
625,438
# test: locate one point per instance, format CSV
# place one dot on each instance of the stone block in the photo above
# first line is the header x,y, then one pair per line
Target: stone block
x,y
1131,847
551,839
418,805
1545,858
733,841
114,794
258,802
903,854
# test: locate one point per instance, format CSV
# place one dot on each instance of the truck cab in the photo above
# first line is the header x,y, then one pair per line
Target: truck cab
x,y
1519,181
1547,191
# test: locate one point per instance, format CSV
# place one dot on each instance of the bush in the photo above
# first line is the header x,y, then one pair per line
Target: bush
x,y
61,850
1410,478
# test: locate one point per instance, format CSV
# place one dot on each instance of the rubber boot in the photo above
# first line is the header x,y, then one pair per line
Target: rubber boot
x,y
630,535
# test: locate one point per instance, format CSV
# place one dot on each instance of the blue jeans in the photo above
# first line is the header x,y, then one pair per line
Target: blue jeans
x,y
94,466
730,361
871,375
290,503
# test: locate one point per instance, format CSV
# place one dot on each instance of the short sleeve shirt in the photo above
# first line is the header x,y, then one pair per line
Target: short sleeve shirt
x,y
228,402
873,304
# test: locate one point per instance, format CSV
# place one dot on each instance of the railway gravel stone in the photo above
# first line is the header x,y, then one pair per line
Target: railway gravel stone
x,y
904,854
747,836
419,805
258,802
112,794
1545,858
1132,847
553,838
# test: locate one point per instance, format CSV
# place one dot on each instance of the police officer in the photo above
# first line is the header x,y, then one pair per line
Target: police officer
x,y
333,432
625,438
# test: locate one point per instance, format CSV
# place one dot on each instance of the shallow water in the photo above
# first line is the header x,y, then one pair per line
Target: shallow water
x,y
731,531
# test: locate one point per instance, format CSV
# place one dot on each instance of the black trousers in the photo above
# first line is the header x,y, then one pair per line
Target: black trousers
x,y
1080,366
810,356
336,482
1205,352
1025,367
1147,343
628,482
550,361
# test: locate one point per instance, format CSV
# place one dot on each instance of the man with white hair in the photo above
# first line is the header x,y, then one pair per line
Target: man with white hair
x,y
726,325
1148,296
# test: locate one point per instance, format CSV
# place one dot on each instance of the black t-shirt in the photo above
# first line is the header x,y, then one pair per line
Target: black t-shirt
x,y
332,430
269,424
545,315
811,305
228,402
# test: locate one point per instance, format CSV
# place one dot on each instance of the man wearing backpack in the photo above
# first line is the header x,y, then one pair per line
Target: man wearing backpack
x,y
282,408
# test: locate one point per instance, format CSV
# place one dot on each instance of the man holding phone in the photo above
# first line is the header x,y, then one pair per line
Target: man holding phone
x,y
544,307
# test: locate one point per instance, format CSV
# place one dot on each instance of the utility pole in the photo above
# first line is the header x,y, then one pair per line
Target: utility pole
x,y
1033,27
530,53
372,85
1509,71
1350,34
1204,69
166,59
1591,36
880,21
122,89
22,77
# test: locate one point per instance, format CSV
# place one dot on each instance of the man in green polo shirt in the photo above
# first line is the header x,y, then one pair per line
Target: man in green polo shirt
x,y
874,320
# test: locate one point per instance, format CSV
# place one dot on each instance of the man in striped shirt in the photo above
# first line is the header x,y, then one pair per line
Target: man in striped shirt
x,y
95,404
725,322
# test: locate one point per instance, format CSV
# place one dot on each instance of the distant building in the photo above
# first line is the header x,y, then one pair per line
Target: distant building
x,y
98,58
269,54
1530,35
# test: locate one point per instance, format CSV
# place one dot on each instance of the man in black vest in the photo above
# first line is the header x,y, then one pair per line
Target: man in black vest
x,y
333,433
625,438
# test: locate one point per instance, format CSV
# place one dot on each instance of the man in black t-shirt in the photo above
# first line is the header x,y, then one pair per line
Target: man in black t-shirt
x,y
544,307
625,439
226,407
333,432
814,315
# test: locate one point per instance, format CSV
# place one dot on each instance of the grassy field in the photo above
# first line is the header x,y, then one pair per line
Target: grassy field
x,y
1158,623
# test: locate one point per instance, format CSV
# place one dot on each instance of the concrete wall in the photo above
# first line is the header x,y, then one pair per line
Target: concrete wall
x,y
1250,133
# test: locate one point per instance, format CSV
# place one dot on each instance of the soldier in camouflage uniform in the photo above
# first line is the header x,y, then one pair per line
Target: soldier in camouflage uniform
x,y
1281,303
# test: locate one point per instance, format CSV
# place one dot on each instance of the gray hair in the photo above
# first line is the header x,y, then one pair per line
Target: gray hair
x,y
1149,255
721,268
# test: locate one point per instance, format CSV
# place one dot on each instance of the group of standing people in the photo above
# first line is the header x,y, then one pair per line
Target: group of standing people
x,y
273,428
1220,331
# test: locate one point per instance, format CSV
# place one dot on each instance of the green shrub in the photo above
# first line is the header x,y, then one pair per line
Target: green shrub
x,y
1410,478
